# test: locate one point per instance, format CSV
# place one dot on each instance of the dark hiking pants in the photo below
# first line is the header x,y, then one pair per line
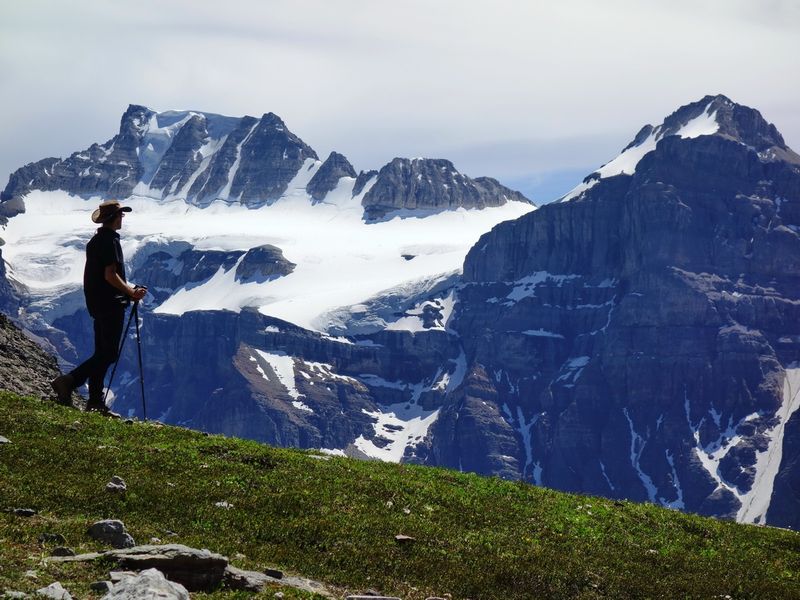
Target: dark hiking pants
x,y
107,334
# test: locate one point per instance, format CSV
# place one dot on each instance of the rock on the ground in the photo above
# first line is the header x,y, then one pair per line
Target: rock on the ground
x,y
24,512
250,581
150,583
404,539
111,532
55,591
195,569
101,587
13,595
4,440
372,598
62,551
253,581
117,485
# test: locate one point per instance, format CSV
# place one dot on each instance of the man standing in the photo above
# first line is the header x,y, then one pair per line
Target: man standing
x,y
107,295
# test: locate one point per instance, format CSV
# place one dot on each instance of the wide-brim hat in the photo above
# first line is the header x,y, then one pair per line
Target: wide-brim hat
x,y
108,210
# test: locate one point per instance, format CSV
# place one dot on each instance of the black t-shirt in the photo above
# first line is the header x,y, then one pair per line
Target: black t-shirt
x,y
101,251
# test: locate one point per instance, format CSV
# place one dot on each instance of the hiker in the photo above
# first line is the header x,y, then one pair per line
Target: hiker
x,y
107,295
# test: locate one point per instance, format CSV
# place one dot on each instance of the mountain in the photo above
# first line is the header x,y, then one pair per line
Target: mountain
x,y
641,338
638,340
263,264
202,157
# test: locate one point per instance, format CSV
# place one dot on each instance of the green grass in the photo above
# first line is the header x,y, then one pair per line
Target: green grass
x,y
335,520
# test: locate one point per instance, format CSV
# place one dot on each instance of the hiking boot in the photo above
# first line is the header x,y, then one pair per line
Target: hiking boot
x,y
63,386
100,407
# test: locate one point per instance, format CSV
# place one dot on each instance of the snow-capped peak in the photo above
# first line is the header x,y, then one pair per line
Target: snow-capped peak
x,y
712,115
704,123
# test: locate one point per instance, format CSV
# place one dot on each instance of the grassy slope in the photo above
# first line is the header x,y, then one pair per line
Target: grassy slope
x,y
335,520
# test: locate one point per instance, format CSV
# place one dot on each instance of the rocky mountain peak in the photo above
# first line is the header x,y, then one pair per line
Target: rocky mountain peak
x,y
711,116
135,118
430,185
328,175
735,121
272,120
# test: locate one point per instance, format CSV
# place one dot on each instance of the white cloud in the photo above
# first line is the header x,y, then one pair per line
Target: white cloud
x,y
489,82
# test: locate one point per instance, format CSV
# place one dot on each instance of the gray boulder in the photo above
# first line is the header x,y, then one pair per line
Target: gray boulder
x,y
55,591
4,440
111,532
116,485
195,569
147,585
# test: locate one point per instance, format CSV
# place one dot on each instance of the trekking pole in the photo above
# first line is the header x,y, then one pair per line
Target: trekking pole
x,y
139,348
119,354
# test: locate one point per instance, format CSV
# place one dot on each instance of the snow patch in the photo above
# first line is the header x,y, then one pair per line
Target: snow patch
x,y
325,371
755,503
283,366
637,447
526,287
542,333
397,427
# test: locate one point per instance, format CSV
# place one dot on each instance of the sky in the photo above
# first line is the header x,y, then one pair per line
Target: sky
x,y
537,94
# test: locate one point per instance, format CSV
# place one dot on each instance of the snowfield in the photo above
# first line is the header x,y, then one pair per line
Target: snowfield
x,y
341,260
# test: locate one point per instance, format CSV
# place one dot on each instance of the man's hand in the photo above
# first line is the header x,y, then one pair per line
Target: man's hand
x,y
139,292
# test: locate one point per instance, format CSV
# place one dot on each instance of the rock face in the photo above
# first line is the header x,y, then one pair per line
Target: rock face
x,y
196,156
24,367
288,386
9,300
643,338
175,265
111,169
430,185
327,177
263,263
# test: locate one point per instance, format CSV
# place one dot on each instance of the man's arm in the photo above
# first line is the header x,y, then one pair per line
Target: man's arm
x,y
113,278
